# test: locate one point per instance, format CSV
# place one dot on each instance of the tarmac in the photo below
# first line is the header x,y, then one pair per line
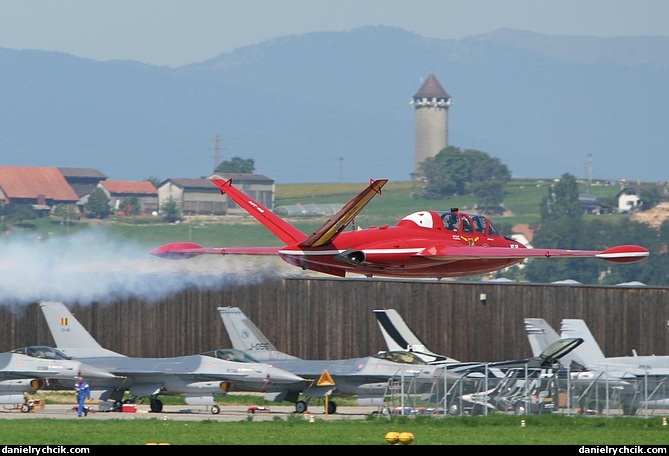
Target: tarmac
x,y
231,413
190,413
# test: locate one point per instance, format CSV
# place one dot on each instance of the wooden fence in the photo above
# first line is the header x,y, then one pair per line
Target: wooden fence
x,y
326,318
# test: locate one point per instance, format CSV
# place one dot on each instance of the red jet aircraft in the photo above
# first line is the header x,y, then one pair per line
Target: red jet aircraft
x,y
425,244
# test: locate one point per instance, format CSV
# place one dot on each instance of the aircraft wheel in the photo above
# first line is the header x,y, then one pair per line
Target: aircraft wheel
x,y
478,409
215,410
629,410
156,406
300,406
504,406
598,406
25,408
332,408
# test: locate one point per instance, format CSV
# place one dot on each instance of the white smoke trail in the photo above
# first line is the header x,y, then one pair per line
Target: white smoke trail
x,y
91,266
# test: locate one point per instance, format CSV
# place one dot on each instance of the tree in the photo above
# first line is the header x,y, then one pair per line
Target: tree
x,y
98,204
66,212
236,165
455,172
154,180
170,210
562,200
445,174
650,197
18,213
129,206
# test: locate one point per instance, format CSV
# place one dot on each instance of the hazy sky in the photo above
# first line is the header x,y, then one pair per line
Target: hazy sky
x,y
177,32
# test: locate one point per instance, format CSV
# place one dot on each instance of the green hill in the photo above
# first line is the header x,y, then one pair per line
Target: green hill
x,y
522,200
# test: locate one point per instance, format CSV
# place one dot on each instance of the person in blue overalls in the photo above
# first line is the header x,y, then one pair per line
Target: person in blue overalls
x,y
83,390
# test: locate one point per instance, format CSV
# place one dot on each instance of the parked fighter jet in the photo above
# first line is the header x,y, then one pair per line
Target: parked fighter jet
x,y
26,370
398,335
425,244
647,374
198,377
509,382
368,378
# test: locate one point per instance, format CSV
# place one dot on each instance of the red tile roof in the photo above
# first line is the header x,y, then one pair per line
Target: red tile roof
x,y
32,181
133,187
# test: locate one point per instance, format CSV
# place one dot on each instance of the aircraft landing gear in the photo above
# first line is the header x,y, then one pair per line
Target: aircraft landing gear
x,y
332,408
300,407
25,408
156,405
215,409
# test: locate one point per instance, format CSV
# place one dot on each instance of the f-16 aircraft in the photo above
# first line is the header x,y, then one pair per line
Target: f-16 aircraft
x,y
399,336
512,380
198,377
26,370
650,374
425,244
368,378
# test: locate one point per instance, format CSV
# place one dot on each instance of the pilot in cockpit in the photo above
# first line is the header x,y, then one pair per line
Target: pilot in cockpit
x,y
479,223
451,221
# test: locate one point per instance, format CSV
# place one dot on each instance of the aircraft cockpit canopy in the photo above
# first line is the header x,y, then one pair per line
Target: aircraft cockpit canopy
x,y
231,354
455,220
403,357
41,351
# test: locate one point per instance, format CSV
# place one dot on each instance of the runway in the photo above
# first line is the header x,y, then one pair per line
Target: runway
x,y
190,413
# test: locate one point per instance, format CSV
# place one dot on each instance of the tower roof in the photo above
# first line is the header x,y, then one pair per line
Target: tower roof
x,y
431,89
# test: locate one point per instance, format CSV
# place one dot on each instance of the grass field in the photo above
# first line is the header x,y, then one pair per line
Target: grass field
x,y
494,429
477,430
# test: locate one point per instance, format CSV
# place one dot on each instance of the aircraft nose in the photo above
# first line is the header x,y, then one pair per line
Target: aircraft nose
x,y
90,372
277,375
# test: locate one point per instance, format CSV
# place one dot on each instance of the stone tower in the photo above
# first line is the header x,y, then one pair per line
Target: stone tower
x,y
431,103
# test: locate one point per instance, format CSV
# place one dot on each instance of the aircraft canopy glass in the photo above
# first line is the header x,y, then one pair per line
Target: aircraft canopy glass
x,y
458,221
41,351
403,357
231,354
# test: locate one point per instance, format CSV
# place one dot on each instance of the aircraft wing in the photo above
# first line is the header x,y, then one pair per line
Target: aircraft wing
x,y
185,250
330,229
618,254
628,370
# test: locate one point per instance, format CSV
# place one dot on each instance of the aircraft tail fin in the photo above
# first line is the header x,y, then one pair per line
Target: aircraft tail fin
x,y
286,232
399,336
541,335
69,335
589,351
330,229
246,336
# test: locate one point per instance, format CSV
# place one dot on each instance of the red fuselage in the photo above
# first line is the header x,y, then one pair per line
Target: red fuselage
x,y
408,249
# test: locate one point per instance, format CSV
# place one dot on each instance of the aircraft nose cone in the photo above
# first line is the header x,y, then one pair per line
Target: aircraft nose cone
x,y
281,376
90,372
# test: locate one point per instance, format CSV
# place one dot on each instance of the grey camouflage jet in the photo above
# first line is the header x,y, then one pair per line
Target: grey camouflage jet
x,y
26,370
368,378
198,377
642,380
